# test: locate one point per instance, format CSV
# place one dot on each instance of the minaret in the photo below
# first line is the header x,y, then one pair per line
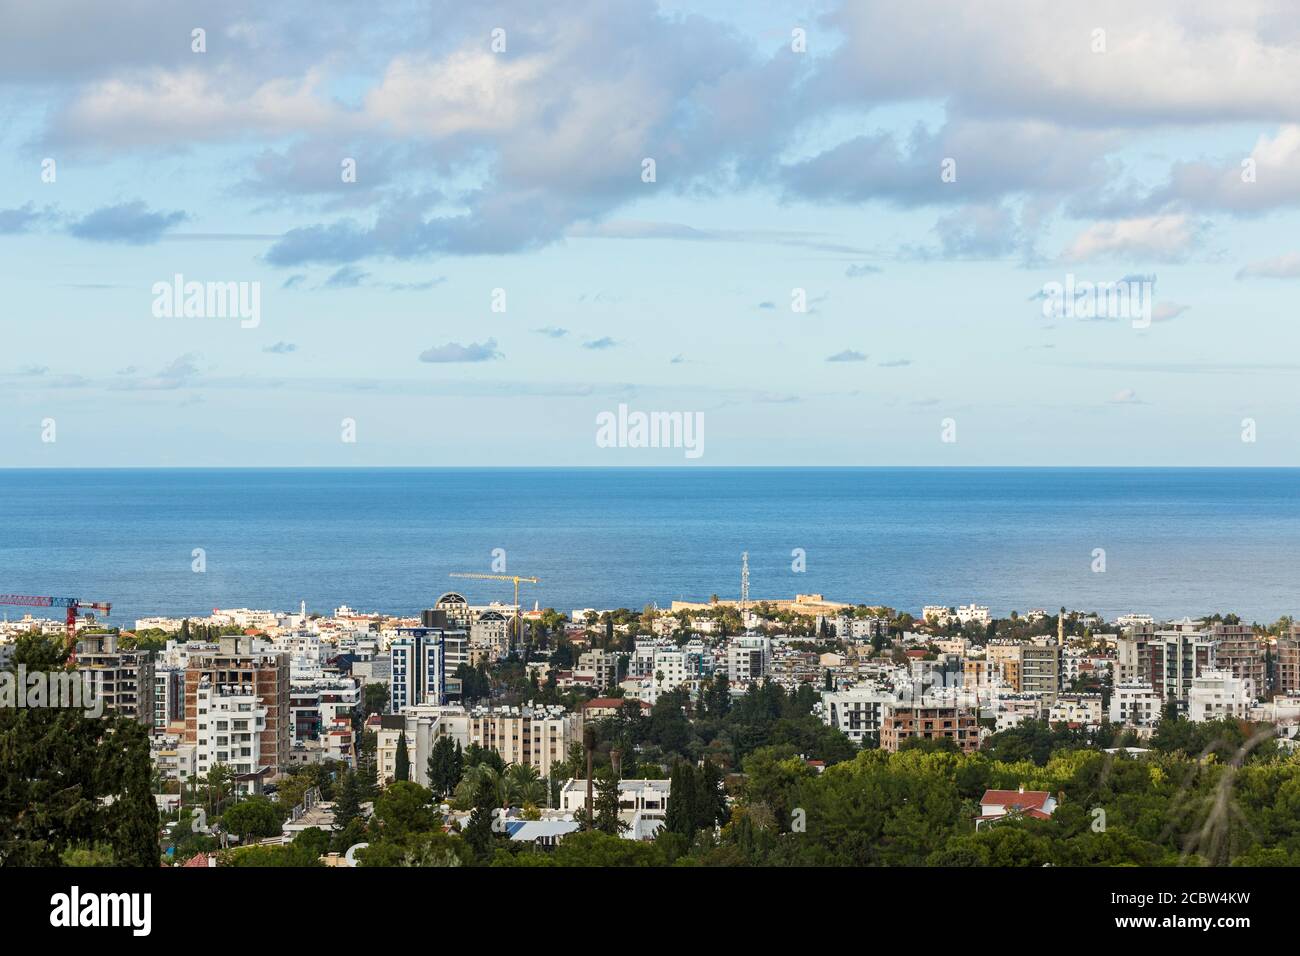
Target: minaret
x,y
1060,629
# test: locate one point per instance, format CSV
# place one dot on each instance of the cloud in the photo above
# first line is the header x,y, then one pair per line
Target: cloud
x,y
1269,178
1285,266
19,219
129,222
1126,396
848,355
181,372
896,363
347,277
280,348
605,342
455,352
858,271
639,229
1163,238
552,332
990,160
294,281
1163,62
1167,311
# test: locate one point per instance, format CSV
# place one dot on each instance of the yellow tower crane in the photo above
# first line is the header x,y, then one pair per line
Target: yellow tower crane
x,y
516,578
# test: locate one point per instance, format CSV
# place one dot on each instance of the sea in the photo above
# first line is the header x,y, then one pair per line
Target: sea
x,y
1167,542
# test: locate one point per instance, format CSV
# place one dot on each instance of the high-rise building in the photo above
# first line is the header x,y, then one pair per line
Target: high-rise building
x,y
168,696
421,661
127,676
1040,671
1286,663
1238,650
237,707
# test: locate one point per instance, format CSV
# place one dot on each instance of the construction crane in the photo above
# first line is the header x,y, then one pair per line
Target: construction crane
x,y
72,604
516,578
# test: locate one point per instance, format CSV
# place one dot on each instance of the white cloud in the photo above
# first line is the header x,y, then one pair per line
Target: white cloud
x,y
1163,238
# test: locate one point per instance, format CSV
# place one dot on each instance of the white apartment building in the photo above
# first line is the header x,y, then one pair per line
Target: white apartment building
x,y
231,719
1135,704
602,665
856,712
749,659
1012,710
491,632
1082,709
978,613
423,724
936,614
1215,695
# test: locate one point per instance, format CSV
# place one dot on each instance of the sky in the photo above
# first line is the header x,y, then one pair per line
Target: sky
x,y
460,255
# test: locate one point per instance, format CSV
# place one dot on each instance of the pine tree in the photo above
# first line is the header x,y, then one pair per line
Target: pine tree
x,y
441,766
605,804
348,805
683,791
711,806
403,769
478,832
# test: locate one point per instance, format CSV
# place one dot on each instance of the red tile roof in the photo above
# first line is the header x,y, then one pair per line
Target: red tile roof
x,y
1025,800
615,702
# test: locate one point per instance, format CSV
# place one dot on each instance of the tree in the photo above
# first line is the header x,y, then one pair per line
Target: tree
x,y
402,770
403,808
479,831
605,805
72,780
253,819
682,813
348,805
444,767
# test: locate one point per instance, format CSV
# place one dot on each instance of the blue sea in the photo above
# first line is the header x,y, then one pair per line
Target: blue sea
x,y
1176,541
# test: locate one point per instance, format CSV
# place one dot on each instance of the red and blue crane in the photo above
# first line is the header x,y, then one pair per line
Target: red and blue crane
x,y
73,605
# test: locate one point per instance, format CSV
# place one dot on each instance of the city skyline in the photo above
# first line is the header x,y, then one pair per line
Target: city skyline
x,y
915,180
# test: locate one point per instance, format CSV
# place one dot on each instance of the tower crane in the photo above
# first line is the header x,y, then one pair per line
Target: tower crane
x,y
73,605
516,578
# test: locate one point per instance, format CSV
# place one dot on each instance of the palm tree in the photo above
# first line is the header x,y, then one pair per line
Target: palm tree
x,y
523,784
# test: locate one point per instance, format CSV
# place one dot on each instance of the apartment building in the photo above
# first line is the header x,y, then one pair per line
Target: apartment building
x,y
1135,704
857,712
237,707
1217,694
168,696
418,666
1040,671
1076,710
749,659
1239,651
602,665
532,735
929,722
1286,664
1168,659
127,676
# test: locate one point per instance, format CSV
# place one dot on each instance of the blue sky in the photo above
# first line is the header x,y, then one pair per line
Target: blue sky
x,y
521,170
